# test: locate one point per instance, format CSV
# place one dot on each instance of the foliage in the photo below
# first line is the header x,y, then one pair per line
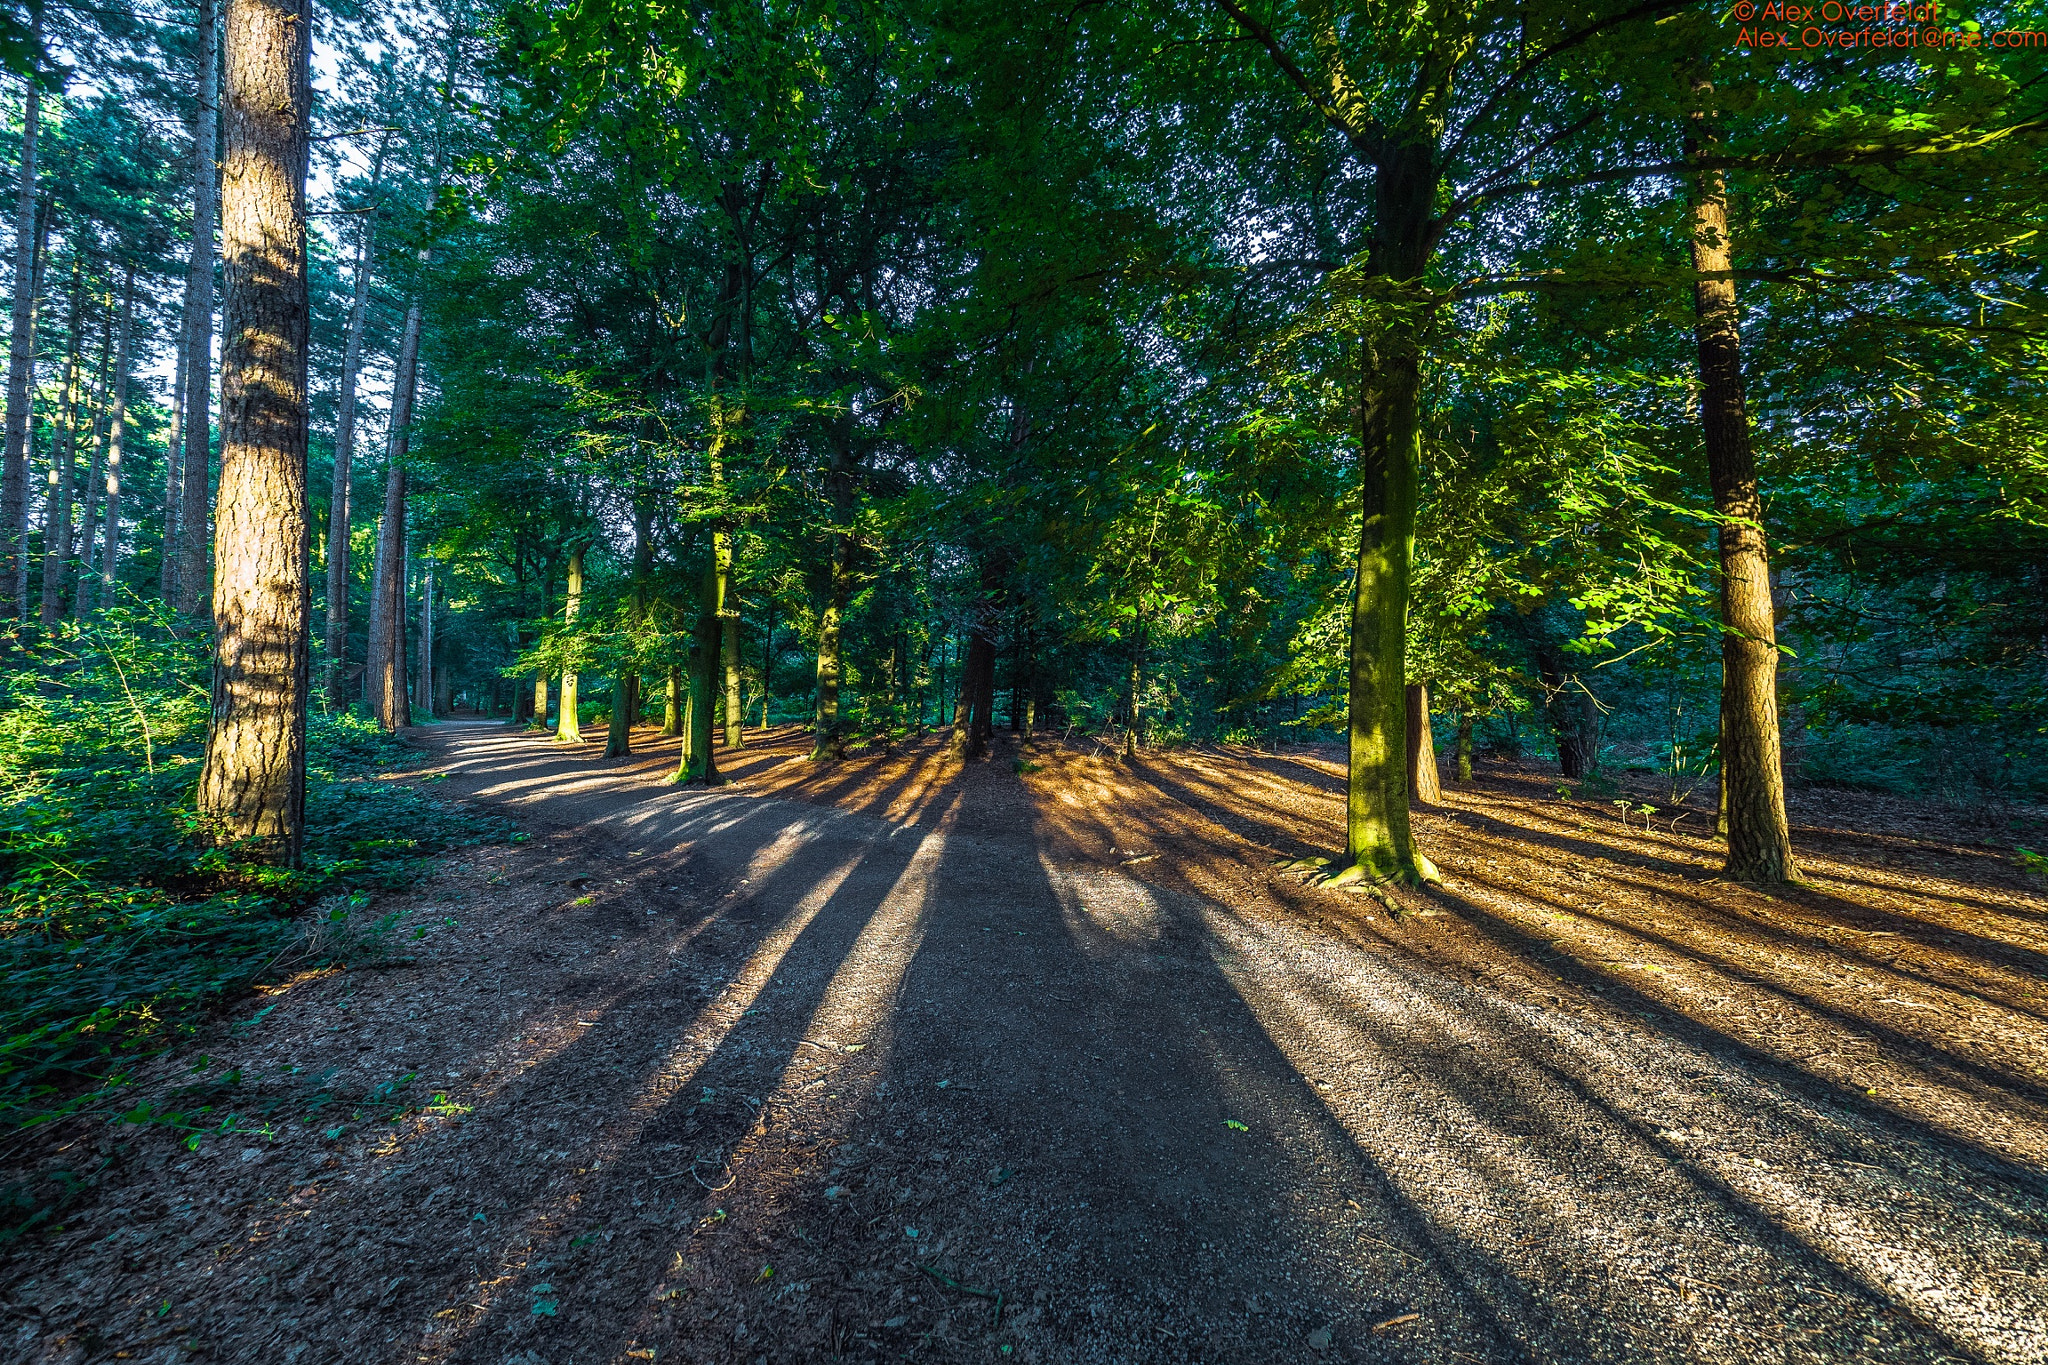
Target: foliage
x,y
121,919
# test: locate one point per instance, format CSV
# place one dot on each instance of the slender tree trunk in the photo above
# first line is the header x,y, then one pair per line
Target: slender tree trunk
x,y
117,431
20,361
83,577
540,700
830,742
626,686
191,585
1752,772
700,761
174,481
384,681
767,661
1422,775
63,460
253,784
730,659
569,728
1464,746
425,668
1134,697
672,704
338,509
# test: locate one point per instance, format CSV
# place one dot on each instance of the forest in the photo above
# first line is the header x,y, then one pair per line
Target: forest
x,y
1492,550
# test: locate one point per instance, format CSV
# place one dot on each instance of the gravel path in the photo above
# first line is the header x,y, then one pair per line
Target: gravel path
x,y
792,1083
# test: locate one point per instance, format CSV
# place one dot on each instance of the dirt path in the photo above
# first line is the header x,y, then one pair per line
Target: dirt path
x,y
757,1077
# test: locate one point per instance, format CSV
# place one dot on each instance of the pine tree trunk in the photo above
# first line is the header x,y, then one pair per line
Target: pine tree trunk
x,y
338,509
1752,774
83,578
1423,782
174,481
384,680
425,668
21,360
569,727
117,433
191,571
253,784
63,461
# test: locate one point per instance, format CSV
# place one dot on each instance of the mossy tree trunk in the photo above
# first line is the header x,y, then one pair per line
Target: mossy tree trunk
x,y
568,728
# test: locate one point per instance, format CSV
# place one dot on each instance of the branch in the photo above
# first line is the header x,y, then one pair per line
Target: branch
x,y
1564,44
1367,140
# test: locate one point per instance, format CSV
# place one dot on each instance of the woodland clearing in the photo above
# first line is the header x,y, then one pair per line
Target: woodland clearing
x,y
818,1065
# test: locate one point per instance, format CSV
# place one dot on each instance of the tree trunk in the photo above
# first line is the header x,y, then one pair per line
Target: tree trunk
x,y
569,727
700,762
117,432
540,700
425,668
767,662
63,460
672,704
384,682
1752,774
191,571
735,722
1134,696
1464,746
174,481
1423,782
338,510
830,742
253,784
83,577
21,360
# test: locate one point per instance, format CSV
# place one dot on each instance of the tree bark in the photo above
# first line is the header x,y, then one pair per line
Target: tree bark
x,y
425,669
117,432
569,727
21,359
830,742
540,700
253,784
672,704
384,682
63,459
1464,746
700,762
198,444
1423,783
338,510
85,579
1752,773
735,722
174,480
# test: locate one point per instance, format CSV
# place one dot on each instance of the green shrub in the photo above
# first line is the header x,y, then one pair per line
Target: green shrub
x,y
119,922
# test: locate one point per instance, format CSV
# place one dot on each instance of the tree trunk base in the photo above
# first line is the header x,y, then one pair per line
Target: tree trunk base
x,y
1385,868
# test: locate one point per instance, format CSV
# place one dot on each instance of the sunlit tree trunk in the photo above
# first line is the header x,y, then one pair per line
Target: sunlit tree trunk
x,y
540,700
729,659
63,460
672,704
117,432
1423,781
1752,772
21,358
198,443
568,728
384,681
830,741
338,509
253,784
1464,746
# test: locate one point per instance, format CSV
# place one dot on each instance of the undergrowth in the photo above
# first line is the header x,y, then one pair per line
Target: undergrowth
x,y
120,921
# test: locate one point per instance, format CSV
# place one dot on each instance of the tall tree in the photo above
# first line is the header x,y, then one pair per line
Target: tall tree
x,y
198,420
384,686
253,784
338,508
21,359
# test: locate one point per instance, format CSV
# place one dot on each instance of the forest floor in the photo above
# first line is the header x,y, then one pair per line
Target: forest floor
x,y
1042,1059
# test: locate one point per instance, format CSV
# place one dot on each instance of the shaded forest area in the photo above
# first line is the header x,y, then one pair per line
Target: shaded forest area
x,y
1463,422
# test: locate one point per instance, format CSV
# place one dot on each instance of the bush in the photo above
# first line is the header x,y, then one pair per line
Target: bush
x,y
119,921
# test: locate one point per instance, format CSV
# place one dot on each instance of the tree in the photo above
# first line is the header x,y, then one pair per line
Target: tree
x,y
253,784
